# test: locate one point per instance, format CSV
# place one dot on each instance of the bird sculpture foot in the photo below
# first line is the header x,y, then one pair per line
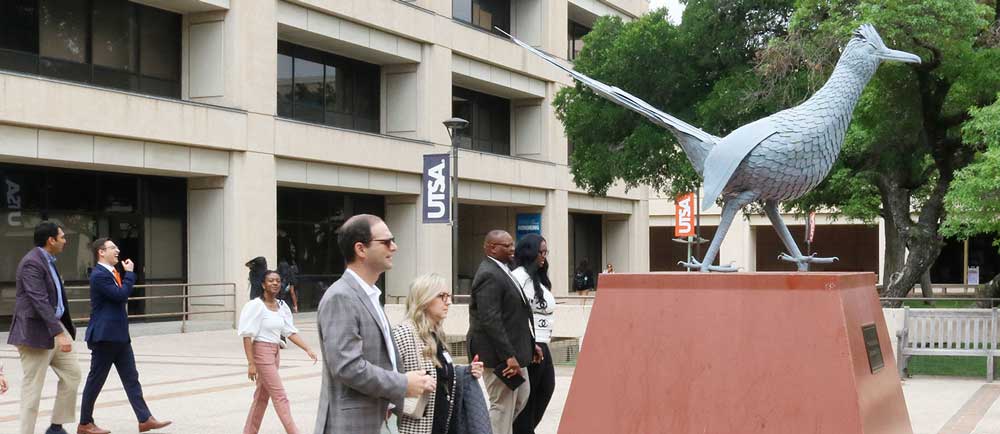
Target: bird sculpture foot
x,y
693,264
802,262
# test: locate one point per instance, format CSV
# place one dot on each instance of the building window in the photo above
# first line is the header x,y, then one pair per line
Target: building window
x,y
489,120
485,14
146,216
324,88
576,34
109,43
307,225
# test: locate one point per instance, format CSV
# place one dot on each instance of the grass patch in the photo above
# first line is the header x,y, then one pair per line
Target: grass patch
x,y
943,304
953,366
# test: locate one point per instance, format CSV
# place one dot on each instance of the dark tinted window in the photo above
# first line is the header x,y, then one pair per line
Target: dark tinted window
x,y
489,121
315,86
307,224
285,79
19,35
485,14
576,34
109,43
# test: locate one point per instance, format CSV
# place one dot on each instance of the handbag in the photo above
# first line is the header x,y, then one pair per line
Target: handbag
x,y
413,406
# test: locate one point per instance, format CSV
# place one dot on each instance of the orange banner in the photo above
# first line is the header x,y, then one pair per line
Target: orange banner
x,y
684,215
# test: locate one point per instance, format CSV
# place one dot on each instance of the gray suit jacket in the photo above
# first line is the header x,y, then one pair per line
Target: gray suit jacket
x,y
358,379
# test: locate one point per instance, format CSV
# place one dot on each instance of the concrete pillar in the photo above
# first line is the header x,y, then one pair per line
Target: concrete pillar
x,y
230,220
639,234
555,222
616,243
738,247
230,57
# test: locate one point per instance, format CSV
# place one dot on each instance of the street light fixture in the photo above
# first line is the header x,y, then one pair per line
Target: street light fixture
x,y
454,125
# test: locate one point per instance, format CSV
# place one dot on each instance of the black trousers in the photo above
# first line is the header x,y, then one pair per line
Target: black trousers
x,y
543,381
102,356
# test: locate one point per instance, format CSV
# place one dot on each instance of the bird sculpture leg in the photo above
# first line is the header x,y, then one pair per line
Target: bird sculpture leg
x,y
802,262
729,210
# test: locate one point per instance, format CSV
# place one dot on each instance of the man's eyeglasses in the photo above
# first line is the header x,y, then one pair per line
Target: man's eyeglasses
x,y
388,242
444,296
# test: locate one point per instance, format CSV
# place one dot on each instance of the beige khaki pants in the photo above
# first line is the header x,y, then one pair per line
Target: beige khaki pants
x,y
35,363
505,404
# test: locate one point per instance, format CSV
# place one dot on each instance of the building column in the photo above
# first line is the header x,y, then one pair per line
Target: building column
x,y
555,229
738,247
231,220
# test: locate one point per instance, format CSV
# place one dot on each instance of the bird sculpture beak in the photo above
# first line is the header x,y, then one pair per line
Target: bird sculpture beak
x,y
898,56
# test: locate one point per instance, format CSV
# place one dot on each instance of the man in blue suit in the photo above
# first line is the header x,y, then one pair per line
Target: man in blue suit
x,y
108,338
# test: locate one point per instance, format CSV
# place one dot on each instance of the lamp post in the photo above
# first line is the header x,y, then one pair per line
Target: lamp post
x,y
454,125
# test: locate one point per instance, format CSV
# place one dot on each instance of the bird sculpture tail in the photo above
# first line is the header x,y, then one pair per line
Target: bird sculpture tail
x,y
695,142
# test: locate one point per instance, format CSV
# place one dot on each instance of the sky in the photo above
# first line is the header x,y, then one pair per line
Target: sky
x,y
673,6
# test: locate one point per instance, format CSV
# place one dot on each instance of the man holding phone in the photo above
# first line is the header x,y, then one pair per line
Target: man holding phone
x,y
108,338
43,331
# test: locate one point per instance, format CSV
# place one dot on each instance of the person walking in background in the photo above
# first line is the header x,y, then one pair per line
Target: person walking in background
x,y
532,275
43,332
108,338
500,332
583,278
289,278
422,347
361,369
263,322
257,268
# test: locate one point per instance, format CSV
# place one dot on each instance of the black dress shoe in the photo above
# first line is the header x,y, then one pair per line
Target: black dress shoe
x,y
55,431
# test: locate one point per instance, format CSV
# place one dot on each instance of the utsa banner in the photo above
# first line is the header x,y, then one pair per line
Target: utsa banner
x,y
436,188
683,217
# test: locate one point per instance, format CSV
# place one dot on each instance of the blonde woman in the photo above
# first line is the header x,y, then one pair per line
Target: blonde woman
x,y
457,406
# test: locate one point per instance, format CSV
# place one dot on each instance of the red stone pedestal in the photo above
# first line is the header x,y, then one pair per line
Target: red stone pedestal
x,y
735,353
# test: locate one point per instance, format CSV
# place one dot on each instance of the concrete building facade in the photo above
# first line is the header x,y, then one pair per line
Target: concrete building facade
x,y
265,124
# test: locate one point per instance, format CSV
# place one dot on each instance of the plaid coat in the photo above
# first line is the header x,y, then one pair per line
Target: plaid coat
x,y
411,349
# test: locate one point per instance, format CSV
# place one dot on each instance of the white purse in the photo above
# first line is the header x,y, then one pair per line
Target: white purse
x,y
413,407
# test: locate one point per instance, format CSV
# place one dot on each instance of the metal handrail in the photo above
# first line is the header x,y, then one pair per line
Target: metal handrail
x,y
184,313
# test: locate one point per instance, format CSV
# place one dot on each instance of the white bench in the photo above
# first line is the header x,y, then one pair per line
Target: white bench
x,y
948,332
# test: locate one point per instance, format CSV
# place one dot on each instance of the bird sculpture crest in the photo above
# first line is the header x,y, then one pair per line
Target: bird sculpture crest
x,y
777,158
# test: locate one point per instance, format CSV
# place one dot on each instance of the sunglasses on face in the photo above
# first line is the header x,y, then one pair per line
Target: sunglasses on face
x,y
388,242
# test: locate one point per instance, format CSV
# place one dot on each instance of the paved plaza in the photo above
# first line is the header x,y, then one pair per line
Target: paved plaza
x,y
198,380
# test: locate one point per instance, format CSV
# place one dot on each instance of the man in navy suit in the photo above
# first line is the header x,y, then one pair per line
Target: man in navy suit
x,y
108,339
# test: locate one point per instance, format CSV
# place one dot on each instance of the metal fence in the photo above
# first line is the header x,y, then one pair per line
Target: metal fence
x,y
228,290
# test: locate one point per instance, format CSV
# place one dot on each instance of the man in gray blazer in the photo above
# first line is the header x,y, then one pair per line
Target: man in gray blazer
x,y
361,369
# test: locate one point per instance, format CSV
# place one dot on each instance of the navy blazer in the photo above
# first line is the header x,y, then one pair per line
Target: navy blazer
x,y
109,306
35,323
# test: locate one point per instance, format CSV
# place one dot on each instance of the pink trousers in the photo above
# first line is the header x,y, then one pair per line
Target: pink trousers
x,y
267,358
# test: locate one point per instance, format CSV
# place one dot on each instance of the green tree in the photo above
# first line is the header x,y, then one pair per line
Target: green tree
x,y
906,143
973,203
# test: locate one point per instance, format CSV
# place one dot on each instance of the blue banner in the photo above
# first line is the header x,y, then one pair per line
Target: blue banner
x,y
436,188
529,224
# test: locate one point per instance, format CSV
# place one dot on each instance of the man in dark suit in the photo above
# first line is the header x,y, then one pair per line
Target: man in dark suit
x,y
43,331
500,330
108,338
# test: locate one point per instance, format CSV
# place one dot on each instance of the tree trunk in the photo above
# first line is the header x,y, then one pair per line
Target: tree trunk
x,y
895,251
925,286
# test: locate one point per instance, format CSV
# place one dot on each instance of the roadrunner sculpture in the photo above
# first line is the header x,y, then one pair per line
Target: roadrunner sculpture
x,y
773,159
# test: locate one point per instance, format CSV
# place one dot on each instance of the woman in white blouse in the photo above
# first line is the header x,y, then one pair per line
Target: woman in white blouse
x,y
532,275
263,322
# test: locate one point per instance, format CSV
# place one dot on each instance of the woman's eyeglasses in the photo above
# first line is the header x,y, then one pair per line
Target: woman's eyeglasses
x,y
444,296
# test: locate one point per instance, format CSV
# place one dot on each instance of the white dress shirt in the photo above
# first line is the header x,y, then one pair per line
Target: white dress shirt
x,y
373,294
